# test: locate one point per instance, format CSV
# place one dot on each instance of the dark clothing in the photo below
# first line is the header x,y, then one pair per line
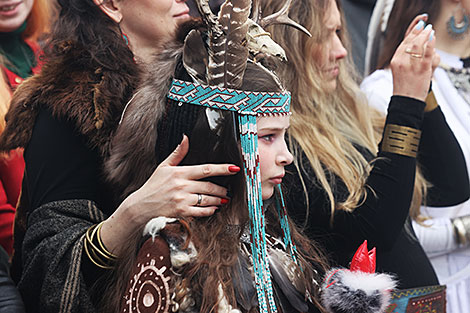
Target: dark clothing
x,y
381,216
60,166
64,118
10,300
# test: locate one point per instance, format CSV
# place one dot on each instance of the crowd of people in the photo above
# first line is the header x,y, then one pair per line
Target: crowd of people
x,y
153,161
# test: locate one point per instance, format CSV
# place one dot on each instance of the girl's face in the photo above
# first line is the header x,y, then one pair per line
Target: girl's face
x,y
13,13
273,152
331,51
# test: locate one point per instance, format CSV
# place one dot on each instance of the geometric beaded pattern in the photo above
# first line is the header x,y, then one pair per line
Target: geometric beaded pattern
x,y
245,102
249,149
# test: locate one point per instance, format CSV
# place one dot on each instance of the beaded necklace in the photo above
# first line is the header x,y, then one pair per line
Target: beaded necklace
x,y
460,78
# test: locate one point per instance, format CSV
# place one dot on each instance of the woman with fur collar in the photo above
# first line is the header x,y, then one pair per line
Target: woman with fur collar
x,y
64,118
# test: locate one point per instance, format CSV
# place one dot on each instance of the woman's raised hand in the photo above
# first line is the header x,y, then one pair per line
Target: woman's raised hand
x,y
414,61
173,191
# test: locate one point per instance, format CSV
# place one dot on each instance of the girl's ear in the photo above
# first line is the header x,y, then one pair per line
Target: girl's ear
x,y
110,8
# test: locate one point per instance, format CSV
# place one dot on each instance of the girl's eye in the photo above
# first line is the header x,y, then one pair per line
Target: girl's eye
x,y
267,138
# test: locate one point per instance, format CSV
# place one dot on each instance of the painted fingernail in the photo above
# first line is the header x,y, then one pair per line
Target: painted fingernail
x,y
428,27
234,169
424,15
431,36
224,201
419,25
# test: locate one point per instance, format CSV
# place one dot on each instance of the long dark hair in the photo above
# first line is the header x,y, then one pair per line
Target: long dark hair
x,y
402,14
82,24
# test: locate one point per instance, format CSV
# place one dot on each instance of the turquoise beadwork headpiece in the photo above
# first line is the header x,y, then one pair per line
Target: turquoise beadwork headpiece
x,y
216,61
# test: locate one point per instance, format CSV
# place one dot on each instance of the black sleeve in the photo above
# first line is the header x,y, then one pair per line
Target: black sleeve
x,y
380,217
59,166
442,162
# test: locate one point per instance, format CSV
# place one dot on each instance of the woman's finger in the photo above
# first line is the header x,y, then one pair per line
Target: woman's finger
x,y
415,31
178,154
207,188
421,17
210,170
417,47
196,211
203,200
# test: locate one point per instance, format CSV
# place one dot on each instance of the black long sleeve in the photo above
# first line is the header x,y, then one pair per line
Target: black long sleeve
x,y
60,166
442,162
380,217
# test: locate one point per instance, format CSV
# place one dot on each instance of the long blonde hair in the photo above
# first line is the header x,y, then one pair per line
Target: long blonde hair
x,y
328,127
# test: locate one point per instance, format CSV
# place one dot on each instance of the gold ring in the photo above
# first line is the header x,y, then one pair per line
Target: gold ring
x,y
413,54
199,199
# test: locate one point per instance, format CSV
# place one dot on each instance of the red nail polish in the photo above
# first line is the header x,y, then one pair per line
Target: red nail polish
x,y
224,201
234,169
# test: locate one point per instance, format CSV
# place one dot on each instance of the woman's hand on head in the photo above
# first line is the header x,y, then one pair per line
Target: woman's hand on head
x,y
414,61
173,191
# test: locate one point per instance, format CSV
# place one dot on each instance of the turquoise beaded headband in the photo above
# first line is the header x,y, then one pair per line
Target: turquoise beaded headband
x,y
241,101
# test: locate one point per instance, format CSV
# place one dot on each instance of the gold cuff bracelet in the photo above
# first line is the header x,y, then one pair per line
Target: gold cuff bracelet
x,y
431,102
401,140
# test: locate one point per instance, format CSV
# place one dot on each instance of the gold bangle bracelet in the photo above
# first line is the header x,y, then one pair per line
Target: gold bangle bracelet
x,y
401,140
91,238
100,242
101,258
92,259
431,102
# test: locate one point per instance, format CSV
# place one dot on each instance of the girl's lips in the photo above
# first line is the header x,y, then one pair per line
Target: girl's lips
x,y
184,14
276,180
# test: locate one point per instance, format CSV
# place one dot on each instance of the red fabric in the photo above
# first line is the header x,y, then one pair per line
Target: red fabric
x,y
13,79
11,175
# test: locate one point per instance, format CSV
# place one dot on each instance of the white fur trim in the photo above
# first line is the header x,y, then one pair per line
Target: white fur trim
x,y
367,282
224,306
154,226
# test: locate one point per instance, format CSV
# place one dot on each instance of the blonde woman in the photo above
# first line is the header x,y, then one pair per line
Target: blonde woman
x,y
356,189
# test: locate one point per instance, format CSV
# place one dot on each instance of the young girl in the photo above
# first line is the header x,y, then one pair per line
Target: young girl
x,y
247,256
212,255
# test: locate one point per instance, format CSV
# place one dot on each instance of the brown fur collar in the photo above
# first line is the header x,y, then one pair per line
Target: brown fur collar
x,y
132,157
84,93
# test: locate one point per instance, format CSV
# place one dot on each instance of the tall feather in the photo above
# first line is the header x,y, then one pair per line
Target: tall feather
x,y
231,52
228,51
195,57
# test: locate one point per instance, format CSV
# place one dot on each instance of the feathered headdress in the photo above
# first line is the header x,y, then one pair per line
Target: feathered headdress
x,y
216,60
